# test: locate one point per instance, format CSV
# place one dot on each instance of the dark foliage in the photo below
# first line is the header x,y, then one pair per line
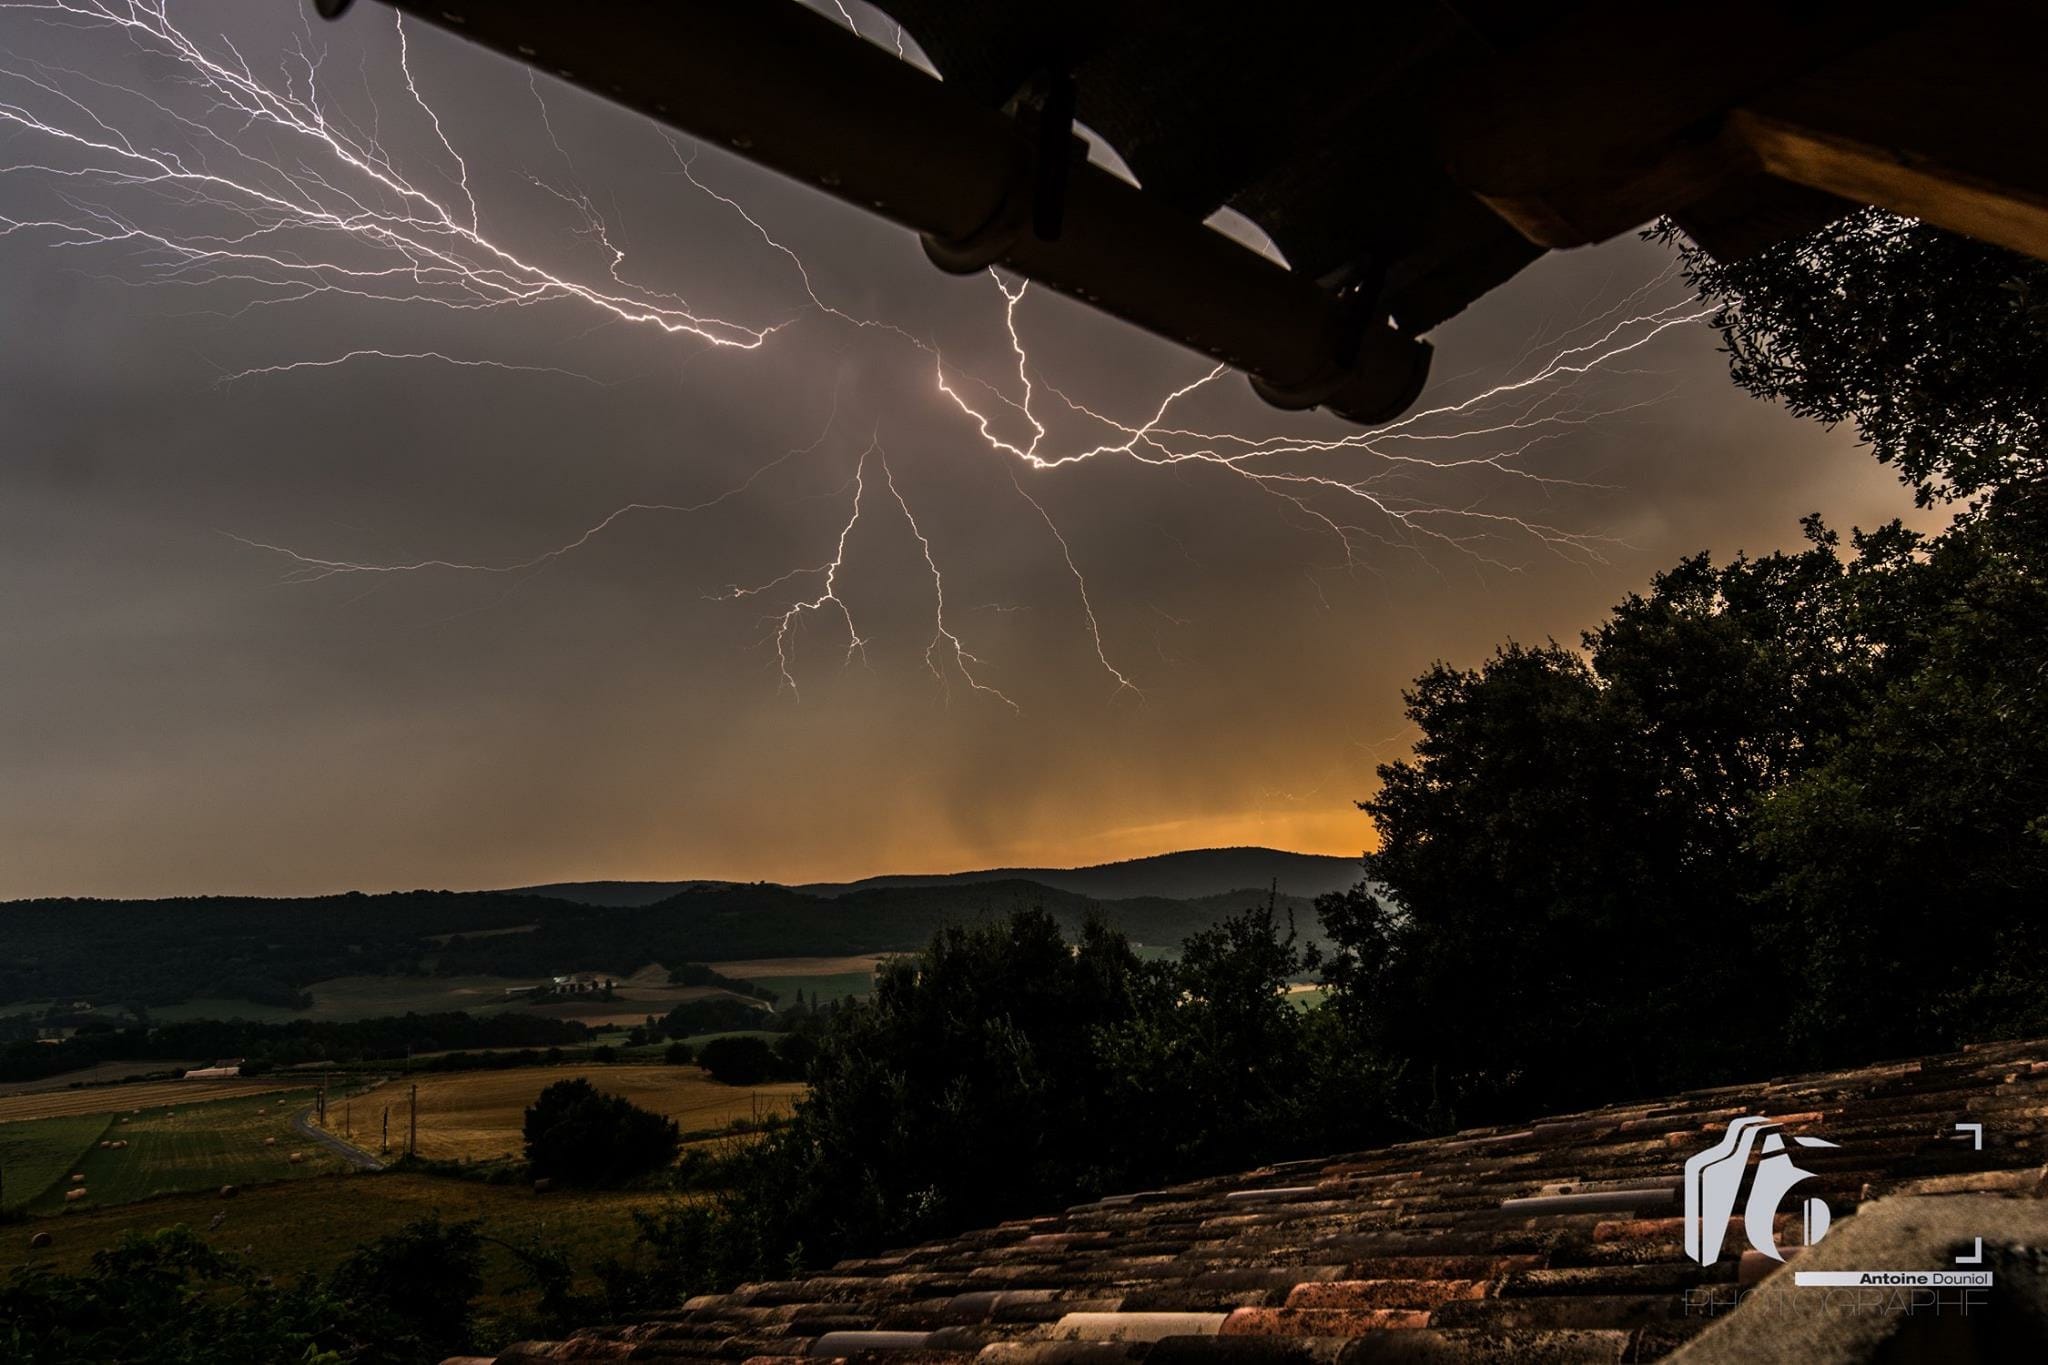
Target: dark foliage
x,y
1934,345
697,974
716,1014
1007,1068
165,951
410,1294
740,1060
170,1299
1817,780
579,1135
286,1044
141,953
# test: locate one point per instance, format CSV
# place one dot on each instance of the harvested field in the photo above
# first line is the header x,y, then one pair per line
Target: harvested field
x,y
122,1099
477,1115
754,967
95,1075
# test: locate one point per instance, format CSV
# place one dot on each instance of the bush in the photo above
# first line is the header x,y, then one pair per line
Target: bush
x,y
715,1014
579,1135
677,1054
739,1061
170,1299
794,1053
410,1293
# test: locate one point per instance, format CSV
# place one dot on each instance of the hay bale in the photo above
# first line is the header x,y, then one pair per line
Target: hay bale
x,y
77,1179
106,1143
296,1157
228,1192
543,1185
39,1241
73,1196
270,1142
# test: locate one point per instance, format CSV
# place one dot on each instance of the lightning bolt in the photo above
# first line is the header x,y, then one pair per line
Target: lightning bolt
x,y
1123,684
963,661
273,195
828,595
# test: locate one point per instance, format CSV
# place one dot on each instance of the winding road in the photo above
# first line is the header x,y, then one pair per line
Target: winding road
x,y
302,1123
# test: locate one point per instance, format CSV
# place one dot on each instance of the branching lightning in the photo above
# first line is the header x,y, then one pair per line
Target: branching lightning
x,y
262,190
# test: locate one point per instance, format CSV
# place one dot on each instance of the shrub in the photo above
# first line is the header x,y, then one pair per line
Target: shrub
x,y
739,1060
577,1134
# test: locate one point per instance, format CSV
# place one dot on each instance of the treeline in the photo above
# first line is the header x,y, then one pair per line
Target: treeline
x,y
162,952
714,923
1009,1069
149,953
287,1044
697,974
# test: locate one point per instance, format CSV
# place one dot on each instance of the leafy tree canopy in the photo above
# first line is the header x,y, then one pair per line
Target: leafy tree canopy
x,y
1934,345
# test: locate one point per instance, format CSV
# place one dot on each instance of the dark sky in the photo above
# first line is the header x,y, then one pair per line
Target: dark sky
x,y
178,715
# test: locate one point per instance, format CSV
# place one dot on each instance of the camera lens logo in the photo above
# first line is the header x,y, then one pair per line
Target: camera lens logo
x,y
1713,1182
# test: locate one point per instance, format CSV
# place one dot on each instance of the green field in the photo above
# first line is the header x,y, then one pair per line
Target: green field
x,y
40,1155
350,998
193,1147
837,986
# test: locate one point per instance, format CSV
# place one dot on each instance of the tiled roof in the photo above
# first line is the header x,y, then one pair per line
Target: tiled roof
x,y
1555,1241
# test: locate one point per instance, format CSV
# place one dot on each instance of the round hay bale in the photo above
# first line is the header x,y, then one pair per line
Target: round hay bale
x,y
543,1185
39,1241
228,1192
77,1179
74,1195
270,1142
106,1143
296,1157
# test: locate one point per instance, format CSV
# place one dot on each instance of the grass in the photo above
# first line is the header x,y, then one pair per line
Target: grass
x,y
193,1147
349,998
477,1115
36,1156
836,986
117,1099
311,1224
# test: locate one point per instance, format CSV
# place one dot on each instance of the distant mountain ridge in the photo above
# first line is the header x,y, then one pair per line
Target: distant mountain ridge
x,y
268,951
1191,874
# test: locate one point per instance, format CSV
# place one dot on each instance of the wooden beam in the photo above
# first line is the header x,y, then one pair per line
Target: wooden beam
x,y
1902,179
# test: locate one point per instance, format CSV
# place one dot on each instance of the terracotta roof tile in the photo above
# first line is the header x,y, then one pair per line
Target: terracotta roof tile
x,y
1558,1241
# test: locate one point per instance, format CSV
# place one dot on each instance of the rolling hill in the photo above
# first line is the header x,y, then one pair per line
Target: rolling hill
x,y
1191,874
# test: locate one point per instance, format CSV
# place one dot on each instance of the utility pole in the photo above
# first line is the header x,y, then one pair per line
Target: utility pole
x,y
412,1137
385,1146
